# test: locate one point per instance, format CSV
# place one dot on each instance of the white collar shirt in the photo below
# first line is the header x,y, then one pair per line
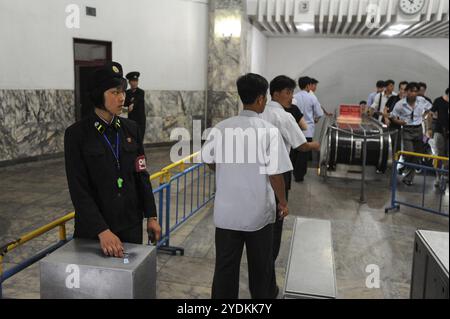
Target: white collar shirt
x,y
312,110
276,115
413,116
245,200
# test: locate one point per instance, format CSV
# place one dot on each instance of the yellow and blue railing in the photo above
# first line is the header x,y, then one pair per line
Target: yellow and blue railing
x,y
437,161
174,180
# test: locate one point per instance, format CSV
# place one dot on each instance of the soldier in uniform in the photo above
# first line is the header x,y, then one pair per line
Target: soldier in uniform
x,y
106,170
135,101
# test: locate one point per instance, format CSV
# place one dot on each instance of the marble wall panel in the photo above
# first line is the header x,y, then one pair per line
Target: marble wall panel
x,y
33,122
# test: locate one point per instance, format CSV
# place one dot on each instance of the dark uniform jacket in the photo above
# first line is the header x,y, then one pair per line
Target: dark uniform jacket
x,y
92,174
138,114
390,104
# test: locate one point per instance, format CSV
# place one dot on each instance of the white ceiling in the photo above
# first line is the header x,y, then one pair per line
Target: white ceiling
x,y
349,18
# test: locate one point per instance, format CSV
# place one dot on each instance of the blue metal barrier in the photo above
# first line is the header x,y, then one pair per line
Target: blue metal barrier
x,y
395,203
169,223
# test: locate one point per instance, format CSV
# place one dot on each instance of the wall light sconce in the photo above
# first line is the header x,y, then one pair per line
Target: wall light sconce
x,y
228,27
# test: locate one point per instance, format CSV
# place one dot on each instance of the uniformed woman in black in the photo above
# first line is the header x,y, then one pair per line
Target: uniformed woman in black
x,y
106,170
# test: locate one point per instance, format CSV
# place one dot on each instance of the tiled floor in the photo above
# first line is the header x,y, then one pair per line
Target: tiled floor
x,y
32,195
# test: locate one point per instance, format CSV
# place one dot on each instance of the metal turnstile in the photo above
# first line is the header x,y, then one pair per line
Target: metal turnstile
x,y
79,270
430,266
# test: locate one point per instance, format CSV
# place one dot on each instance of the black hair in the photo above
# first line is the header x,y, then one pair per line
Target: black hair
x,y
389,82
403,83
412,85
446,91
381,84
97,95
314,81
250,87
422,85
362,102
303,82
280,83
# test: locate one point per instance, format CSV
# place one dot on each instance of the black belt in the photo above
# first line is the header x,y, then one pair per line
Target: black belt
x,y
412,126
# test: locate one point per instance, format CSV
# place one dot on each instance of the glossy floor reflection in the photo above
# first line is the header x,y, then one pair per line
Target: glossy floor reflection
x,y
34,194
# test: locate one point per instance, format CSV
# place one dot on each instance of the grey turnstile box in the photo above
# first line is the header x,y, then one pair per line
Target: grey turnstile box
x,y
79,270
310,272
430,266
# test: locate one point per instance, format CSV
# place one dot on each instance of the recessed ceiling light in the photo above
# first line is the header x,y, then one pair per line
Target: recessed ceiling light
x,y
305,26
391,33
399,27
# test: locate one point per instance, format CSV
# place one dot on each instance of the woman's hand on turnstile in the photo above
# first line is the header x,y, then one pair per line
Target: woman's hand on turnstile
x,y
111,244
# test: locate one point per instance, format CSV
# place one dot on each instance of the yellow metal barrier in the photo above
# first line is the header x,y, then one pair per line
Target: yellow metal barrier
x,y
436,159
61,223
166,173
164,176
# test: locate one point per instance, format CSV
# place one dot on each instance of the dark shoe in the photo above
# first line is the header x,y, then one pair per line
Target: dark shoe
x,y
407,183
277,291
299,180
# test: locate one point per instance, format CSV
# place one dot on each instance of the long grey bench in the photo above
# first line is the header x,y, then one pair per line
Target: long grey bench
x,y
310,272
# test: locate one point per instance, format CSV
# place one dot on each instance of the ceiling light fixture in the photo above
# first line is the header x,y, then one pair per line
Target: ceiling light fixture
x,y
391,33
399,27
305,26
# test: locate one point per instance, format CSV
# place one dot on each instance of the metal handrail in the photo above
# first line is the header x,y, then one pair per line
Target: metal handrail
x,y
436,159
61,223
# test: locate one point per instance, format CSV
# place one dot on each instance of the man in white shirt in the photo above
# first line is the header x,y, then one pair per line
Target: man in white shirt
x,y
410,113
312,91
312,111
380,88
249,167
378,107
282,93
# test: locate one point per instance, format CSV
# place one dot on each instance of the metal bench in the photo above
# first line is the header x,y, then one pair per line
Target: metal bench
x,y
310,272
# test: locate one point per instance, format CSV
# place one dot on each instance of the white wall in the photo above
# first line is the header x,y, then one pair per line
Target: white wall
x,y
259,52
349,68
167,40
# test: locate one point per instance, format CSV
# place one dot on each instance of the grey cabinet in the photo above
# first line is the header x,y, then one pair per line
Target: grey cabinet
x,y
430,266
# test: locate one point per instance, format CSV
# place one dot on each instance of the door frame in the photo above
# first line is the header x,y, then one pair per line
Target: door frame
x,y
78,63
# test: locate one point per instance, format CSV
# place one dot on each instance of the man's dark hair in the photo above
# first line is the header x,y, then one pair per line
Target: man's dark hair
x,y
412,85
362,102
381,84
446,91
303,82
250,87
314,81
403,83
389,82
423,85
280,83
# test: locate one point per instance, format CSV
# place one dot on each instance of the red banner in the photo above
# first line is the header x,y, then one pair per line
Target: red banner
x,y
352,111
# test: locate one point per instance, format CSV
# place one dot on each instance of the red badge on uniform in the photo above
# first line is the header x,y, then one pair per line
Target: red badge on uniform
x,y
141,165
